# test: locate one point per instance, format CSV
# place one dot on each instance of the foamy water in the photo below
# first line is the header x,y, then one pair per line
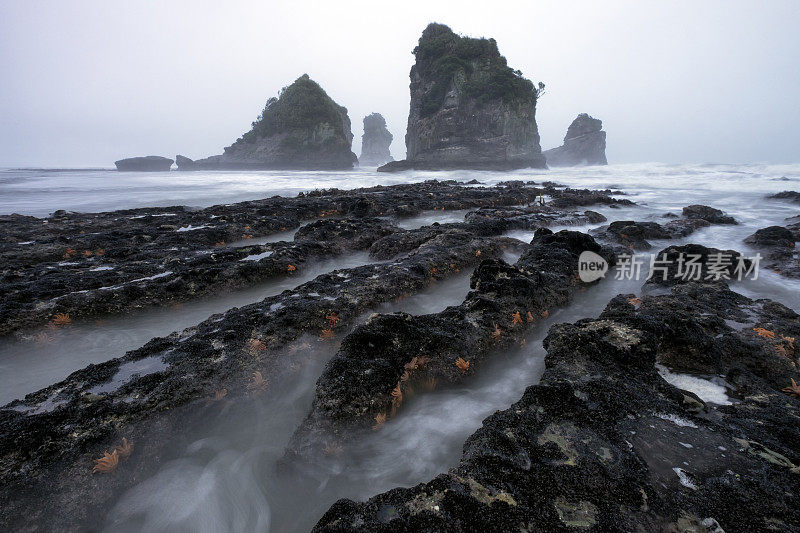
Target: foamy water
x,y
227,478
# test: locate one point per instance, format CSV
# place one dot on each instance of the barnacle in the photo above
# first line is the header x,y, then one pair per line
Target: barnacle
x,y
462,365
767,334
291,268
124,450
258,384
326,334
106,464
516,318
62,319
333,318
497,332
530,317
255,345
793,389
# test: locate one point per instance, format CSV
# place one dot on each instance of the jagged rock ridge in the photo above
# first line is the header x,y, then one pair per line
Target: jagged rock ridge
x,y
375,142
584,144
301,129
469,109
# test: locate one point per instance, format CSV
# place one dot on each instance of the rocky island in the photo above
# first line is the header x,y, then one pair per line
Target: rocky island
x,y
302,129
584,144
469,109
148,163
375,142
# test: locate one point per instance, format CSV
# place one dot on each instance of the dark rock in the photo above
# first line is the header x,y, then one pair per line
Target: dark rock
x,y
361,383
184,163
54,434
634,235
778,243
792,196
301,129
694,262
150,163
604,443
709,214
584,144
469,109
375,142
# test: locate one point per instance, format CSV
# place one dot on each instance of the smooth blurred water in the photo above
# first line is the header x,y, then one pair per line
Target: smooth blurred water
x,y
41,191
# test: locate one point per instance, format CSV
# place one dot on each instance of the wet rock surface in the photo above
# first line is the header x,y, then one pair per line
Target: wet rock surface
x,y
158,394
709,214
605,443
93,264
153,394
778,243
395,355
792,196
634,234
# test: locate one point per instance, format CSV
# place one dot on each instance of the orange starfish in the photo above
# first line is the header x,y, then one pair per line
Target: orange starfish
x,y
62,319
397,396
516,318
326,334
380,420
258,384
793,389
478,253
635,301
764,333
333,318
497,332
530,317
106,464
255,345
124,450
291,268
462,365
545,313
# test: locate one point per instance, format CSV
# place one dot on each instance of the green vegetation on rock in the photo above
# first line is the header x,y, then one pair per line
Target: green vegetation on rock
x,y
441,55
300,108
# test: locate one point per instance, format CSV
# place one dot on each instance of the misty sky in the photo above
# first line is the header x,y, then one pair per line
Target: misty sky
x,y
87,82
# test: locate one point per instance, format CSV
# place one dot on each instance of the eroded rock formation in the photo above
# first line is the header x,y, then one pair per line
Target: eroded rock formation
x,y
584,144
301,129
469,109
375,142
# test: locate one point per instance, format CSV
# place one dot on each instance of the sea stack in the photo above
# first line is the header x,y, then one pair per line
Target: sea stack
x,y
469,109
584,144
148,163
375,142
302,129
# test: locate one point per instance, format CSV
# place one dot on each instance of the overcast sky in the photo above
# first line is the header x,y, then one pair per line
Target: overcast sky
x,y
88,82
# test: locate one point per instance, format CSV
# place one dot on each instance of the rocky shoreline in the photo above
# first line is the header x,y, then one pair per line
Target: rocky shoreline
x,y
604,442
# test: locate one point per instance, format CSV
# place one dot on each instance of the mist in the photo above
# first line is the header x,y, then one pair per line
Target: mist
x,y
89,82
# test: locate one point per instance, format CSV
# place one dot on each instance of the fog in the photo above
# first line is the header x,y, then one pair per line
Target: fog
x,y
88,82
